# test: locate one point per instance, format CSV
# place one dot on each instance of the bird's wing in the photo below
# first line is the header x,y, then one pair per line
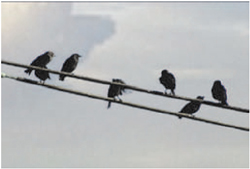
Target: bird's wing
x,y
164,80
41,60
68,65
185,108
224,93
161,80
189,108
111,91
37,61
172,78
215,92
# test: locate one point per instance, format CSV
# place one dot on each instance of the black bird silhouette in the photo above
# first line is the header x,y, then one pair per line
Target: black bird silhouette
x,y
167,79
115,90
41,61
192,107
42,75
219,92
69,65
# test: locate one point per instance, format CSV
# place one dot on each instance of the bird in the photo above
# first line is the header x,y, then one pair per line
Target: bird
x,y
167,79
219,92
69,65
115,90
192,107
41,61
42,75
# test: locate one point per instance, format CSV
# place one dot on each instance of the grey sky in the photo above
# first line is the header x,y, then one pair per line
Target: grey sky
x,y
197,42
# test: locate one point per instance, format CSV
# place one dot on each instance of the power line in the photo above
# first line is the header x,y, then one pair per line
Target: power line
x,y
129,87
29,81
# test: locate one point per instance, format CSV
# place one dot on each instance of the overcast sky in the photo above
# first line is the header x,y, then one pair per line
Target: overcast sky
x,y
198,42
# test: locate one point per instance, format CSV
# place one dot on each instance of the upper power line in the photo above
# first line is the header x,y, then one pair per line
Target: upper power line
x,y
95,80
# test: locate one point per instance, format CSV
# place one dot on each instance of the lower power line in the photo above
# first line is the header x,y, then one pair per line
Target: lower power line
x,y
29,81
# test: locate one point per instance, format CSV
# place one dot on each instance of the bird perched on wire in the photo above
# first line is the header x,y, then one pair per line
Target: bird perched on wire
x,y
167,79
69,65
219,92
41,61
192,107
42,75
115,90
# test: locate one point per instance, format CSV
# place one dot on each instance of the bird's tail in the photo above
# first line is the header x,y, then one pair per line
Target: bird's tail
x,y
28,71
224,102
172,90
61,77
179,116
109,104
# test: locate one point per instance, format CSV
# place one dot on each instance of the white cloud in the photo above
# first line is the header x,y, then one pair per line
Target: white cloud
x,y
155,36
197,43
111,9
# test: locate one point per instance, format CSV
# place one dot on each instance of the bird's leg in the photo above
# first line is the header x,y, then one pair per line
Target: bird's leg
x,y
166,91
116,98
119,98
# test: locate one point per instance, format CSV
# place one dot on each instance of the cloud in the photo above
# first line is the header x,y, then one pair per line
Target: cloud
x,y
197,42
181,36
108,9
50,27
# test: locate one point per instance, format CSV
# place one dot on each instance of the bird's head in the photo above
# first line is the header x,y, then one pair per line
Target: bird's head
x,y
76,55
118,81
50,53
217,82
200,97
114,80
163,72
